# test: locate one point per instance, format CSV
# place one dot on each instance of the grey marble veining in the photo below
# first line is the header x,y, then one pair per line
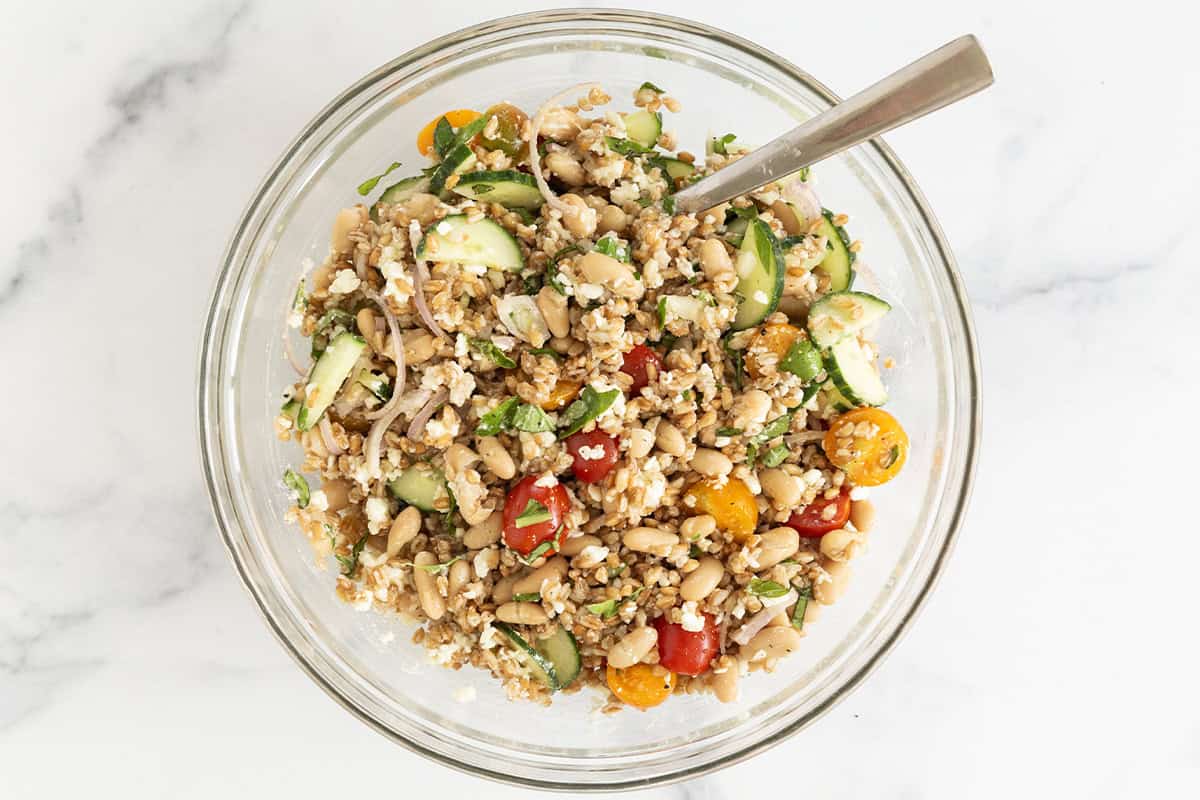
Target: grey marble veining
x,y
1056,657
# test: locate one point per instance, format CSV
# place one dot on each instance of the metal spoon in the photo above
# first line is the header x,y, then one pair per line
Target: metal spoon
x,y
948,74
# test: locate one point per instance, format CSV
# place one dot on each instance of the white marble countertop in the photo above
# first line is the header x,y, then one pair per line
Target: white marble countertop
x,y
1058,657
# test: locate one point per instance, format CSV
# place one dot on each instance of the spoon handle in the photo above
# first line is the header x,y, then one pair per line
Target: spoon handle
x,y
948,74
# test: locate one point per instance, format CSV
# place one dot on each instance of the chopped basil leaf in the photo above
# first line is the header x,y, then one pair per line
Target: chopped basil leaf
x,y
615,571
686,394
537,552
533,283
527,217
609,246
695,551
651,87
546,351
488,348
751,454
776,427
472,129
762,588
609,608
443,137
366,186
498,419
800,608
296,483
626,147
448,517
644,202
662,312
590,405
729,431
534,514
775,456
432,569
552,267
350,563
527,597
668,204
531,419
718,145
802,360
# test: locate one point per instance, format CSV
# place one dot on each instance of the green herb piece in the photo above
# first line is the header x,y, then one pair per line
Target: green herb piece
x,y
668,341
609,608
729,431
366,186
892,457
751,454
527,597
296,483
538,552
432,569
652,87
533,283
488,348
707,299
350,563
552,267
469,131
531,419
662,312
695,551
590,405
801,607
687,394
626,147
775,456
762,588
546,351
534,514
668,205
803,173
747,213
448,517
377,384
300,301
718,144
739,364
443,137
644,202
335,316
776,427
498,419
615,571
810,392
609,246
527,216
802,359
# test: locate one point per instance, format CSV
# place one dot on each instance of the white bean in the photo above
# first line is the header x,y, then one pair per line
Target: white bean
x,y
404,528
485,533
496,457
701,581
650,540
427,592
522,614
632,647
777,544
532,583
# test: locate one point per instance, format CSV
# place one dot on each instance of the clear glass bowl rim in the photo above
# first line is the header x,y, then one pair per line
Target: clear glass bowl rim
x,y
234,261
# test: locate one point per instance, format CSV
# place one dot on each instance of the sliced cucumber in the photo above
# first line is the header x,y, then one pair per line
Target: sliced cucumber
x,y
374,382
327,377
838,400
507,187
404,189
735,231
562,651
459,240
644,127
540,667
673,167
290,409
420,485
839,315
759,266
851,369
460,159
838,263
679,307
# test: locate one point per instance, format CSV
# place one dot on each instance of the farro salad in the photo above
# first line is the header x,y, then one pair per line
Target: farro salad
x,y
577,438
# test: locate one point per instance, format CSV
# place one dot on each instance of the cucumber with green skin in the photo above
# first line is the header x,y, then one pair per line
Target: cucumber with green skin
x,y
327,377
509,188
419,485
673,167
539,666
838,263
759,266
404,189
644,127
853,372
457,239
553,660
460,159
838,315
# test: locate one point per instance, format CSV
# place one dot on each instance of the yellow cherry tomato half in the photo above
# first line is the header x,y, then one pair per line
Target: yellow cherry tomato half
x,y
457,118
867,444
564,391
642,685
772,340
730,503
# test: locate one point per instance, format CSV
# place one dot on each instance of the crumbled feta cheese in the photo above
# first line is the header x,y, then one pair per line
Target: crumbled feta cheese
x,y
461,345
859,493
591,453
344,282
377,513
547,481
691,619
814,478
589,291
482,568
464,694
443,227
505,343
319,500
460,383
475,269
488,638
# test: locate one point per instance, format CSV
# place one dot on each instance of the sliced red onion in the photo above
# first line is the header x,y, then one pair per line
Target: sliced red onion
x,y
327,437
360,263
420,275
763,618
375,438
535,160
397,357
418,422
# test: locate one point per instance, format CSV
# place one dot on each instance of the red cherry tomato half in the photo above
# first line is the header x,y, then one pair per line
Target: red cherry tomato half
x,y
637,363
599,453
811,523
687,652
525,538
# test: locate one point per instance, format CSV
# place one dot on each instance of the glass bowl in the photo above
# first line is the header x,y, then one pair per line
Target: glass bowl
x,y
366,661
